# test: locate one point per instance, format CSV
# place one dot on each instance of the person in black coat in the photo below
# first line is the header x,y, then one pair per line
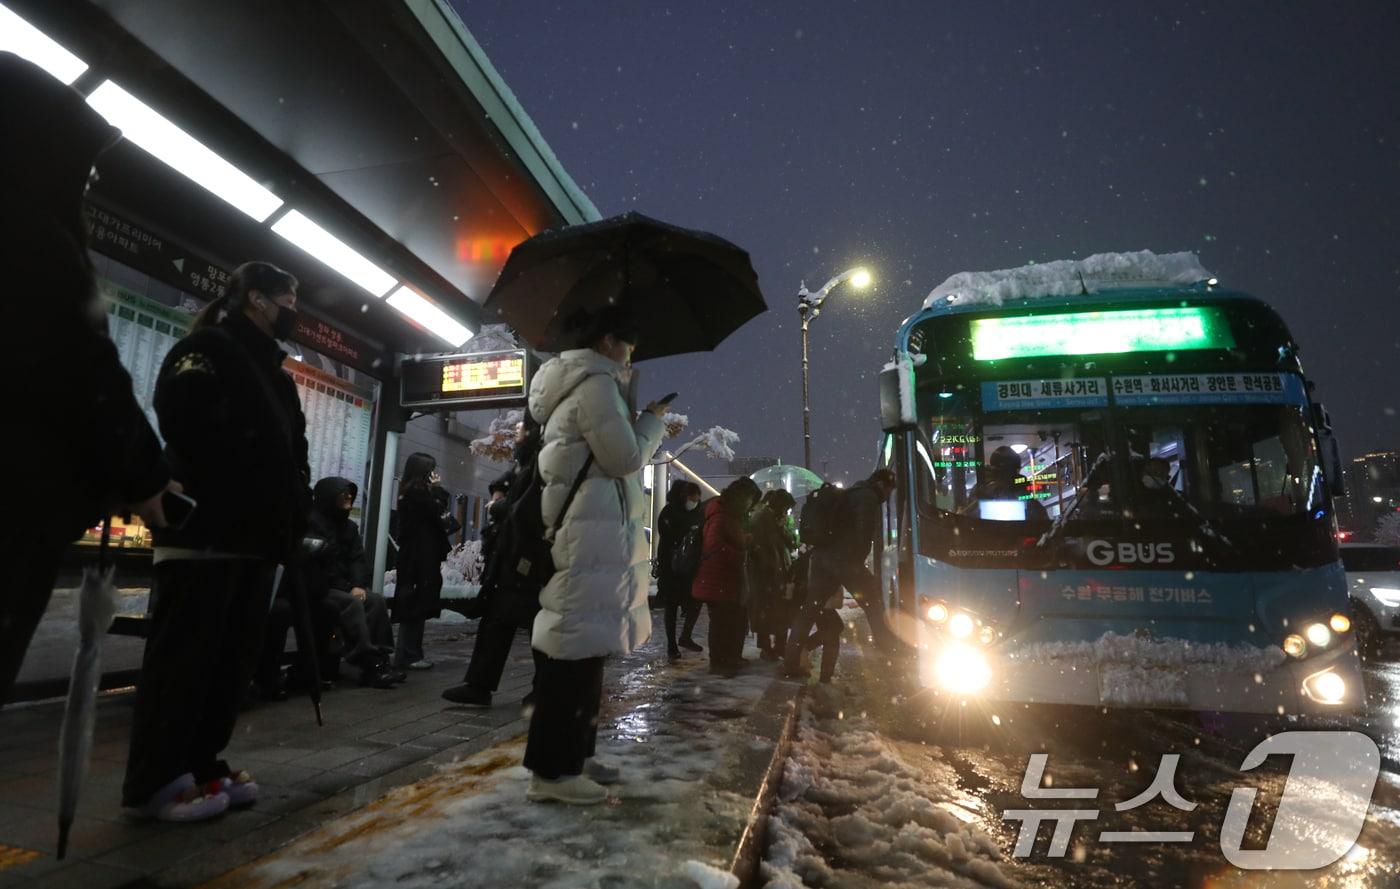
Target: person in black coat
x,y
770,559
423,528
680,514
236,439
80,447
510,604
337,572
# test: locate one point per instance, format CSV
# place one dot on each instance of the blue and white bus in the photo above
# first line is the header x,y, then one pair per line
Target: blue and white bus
x,y
1120,497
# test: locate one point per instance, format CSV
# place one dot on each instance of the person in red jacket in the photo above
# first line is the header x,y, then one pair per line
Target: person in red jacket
x,y
721,582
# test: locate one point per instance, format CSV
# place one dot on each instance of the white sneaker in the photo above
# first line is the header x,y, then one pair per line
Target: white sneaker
x,y
601,772
180,800
572,789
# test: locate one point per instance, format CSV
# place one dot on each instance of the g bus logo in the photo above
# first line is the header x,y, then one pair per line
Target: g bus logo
x,y
1104,552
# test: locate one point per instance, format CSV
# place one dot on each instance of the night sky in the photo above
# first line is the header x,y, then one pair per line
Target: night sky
x,y
924,139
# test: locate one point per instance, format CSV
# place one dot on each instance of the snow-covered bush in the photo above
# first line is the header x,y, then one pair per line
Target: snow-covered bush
x,y
499,441
466,560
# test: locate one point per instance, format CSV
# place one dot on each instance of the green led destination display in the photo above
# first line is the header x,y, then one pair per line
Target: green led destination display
x,y
1101,333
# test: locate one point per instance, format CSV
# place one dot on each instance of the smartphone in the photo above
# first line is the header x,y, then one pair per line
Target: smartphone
x,y
669,398
179,508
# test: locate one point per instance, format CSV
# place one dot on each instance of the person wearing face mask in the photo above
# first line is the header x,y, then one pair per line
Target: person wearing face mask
x,y
680,514
423,544
235,438
593,511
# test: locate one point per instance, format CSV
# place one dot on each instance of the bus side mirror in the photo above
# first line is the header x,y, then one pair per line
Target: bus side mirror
x,y
1331,453
892,417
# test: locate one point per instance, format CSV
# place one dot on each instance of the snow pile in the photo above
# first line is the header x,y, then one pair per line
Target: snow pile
x,y
1135,651
709,877
677,735
499,442
854,810
1070,277
457,583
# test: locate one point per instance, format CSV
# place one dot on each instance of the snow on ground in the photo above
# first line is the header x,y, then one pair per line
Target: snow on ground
x,y
856,810
676,733
1069,277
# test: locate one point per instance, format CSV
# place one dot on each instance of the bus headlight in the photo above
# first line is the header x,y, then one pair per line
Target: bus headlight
x,y
1339,623
1325,687
1318,635
938,612
962,669
1387,596
961,625
1295,645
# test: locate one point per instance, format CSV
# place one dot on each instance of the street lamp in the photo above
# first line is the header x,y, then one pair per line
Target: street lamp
x,y
809,306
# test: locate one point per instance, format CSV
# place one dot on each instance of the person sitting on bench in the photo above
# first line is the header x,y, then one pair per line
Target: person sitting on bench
x,y
336,571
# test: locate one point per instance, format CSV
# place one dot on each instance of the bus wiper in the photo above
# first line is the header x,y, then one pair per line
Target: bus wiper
x,y
1060,520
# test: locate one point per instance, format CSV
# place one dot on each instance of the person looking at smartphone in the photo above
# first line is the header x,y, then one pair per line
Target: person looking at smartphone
x,y
236,439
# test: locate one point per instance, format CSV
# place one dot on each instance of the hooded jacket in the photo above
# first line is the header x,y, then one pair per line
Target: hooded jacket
x,y
596,602
96,450
339,562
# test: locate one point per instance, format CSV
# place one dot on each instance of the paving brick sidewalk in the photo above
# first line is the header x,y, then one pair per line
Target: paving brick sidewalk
x,y
406,742
373,741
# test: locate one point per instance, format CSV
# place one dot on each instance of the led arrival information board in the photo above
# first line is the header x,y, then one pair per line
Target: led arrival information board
x,y
457,382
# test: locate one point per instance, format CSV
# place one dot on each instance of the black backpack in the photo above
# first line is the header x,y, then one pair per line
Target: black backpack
x,y
520,559
822,517
686,556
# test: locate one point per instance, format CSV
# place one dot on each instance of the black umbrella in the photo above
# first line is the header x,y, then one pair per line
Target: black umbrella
x,y
688,289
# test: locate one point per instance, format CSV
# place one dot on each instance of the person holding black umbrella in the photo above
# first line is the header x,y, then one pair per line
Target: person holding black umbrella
x,y
236,439
595,604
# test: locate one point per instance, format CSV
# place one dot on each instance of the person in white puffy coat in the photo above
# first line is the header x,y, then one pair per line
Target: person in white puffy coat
x,y
595,605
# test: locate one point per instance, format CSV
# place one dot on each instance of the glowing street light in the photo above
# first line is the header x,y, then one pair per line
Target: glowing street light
x,y
809,306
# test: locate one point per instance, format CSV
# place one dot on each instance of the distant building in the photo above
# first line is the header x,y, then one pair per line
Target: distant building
x,y
1373,489
749,465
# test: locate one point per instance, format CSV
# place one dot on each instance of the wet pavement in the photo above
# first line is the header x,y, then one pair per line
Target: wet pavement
x,y
955,758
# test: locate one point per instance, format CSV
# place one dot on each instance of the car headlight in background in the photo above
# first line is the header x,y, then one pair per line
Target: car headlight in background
x,y
1295,645
1318,635
962,669
1387,596
1339,623
1325,687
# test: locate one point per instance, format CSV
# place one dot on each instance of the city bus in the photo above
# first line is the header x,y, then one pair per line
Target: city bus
x,y
1114,491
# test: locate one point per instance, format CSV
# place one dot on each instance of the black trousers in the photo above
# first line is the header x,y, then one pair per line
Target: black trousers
x,y
206,633
495,634
32,560
729,623
690,611
826,575
564,726
366,624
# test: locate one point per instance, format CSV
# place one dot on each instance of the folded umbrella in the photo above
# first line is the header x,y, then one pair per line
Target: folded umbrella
x,y
97,605
688,289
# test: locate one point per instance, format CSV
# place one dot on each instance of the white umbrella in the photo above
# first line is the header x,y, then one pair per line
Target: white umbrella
x,y
97,605
796,480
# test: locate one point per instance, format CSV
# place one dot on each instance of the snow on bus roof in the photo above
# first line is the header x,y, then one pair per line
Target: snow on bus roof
x,y
1070,277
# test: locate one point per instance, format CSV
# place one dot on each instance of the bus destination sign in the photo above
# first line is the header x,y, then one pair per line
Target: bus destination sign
x,y
461,382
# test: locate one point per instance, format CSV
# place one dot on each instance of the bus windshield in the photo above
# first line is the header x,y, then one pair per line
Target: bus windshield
x,y
1004,460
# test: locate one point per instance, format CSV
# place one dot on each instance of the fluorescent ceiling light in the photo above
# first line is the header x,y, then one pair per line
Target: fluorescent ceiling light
x,y
334,252
142,125
28,42
437,321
